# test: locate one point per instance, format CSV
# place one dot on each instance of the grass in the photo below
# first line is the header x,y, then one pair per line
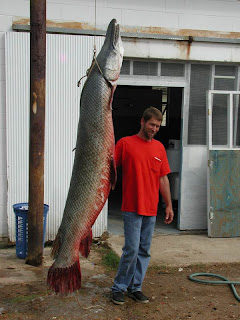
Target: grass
x,y
27,298
158,267
110,259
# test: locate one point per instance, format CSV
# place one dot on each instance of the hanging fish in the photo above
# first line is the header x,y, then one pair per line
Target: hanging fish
x,y
94,170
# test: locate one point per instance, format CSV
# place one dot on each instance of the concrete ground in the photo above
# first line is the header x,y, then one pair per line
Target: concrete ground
x,y
24,293
172,247
15,271
184,250
177,250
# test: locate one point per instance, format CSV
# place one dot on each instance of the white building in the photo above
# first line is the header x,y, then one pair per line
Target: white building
x,y
174,52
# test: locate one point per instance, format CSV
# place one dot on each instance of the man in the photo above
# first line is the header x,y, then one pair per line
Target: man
x,y
144,172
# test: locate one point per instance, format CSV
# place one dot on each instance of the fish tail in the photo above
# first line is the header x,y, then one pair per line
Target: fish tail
x,y
85,245
65,280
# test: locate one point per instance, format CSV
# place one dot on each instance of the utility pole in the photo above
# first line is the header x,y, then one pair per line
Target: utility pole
x,y
37,131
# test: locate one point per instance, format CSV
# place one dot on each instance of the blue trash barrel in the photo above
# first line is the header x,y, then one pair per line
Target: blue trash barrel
x,y
21,213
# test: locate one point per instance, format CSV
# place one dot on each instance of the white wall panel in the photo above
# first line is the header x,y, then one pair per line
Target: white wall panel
x,y
150,5
177,50
219,8
2,72
149,18
89,3
15,7
105,15
3,222
5,21
3,191
3,167
68,58
2,41
202,22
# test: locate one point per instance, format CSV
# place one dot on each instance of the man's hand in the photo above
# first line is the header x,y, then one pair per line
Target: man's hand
x,y
165,192
169,215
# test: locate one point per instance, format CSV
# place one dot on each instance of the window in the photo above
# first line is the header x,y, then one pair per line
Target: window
x,y
199,84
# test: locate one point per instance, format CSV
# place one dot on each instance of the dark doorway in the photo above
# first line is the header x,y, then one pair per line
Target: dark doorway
x,y
128,105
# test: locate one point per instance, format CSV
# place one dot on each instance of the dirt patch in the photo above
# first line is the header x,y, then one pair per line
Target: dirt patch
x,y
172,295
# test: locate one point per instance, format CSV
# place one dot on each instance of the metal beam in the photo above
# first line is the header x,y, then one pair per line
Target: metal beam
x,y
137,35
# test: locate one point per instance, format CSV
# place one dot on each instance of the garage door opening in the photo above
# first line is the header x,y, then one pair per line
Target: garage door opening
x,y
128,105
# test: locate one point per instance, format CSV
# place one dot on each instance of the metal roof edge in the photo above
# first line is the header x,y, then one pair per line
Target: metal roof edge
x,y
189,39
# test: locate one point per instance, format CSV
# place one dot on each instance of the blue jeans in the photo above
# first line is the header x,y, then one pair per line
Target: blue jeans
x,y
138,231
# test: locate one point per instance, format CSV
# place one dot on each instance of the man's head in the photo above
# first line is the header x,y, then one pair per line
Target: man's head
x,y
152,112
150,123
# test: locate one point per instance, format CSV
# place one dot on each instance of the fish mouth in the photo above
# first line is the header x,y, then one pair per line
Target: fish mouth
x,y
113,33
116,34
111,55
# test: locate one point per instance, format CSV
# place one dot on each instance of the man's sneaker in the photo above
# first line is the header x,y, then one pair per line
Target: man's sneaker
x,y
138,296
118,297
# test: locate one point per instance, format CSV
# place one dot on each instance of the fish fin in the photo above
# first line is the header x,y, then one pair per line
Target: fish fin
x,y
85,245
111,96
56,246
113,174
65,280
113,83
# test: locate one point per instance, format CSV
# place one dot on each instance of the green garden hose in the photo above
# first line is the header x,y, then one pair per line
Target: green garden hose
x,y
223,281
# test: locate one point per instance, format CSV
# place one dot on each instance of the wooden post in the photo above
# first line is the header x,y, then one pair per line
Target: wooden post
x,y
37,131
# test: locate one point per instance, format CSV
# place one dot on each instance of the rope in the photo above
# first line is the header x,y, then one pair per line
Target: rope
x,y
223,281
94,59
95,28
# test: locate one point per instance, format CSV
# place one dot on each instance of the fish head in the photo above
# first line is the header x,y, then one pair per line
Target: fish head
x,y
111,55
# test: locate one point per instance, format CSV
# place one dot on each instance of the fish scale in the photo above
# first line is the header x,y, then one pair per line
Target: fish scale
x,y
93,171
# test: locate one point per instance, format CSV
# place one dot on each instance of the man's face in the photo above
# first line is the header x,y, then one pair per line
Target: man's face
x,y
150,127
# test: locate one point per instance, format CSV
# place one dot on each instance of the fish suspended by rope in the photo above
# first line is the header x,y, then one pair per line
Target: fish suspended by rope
x,y
94,170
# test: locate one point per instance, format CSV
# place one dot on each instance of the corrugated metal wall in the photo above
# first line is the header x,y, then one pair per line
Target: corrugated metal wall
x,y
68,58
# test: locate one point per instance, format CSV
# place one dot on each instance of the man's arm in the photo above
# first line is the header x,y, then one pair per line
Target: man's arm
x,y
165,192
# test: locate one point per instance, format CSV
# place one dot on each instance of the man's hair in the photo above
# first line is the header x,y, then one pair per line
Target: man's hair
x,y
152,112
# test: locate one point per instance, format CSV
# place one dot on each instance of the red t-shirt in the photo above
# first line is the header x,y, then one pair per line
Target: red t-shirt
x,y
143,163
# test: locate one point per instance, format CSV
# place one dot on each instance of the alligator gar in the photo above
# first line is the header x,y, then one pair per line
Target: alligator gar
x,y
94,170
